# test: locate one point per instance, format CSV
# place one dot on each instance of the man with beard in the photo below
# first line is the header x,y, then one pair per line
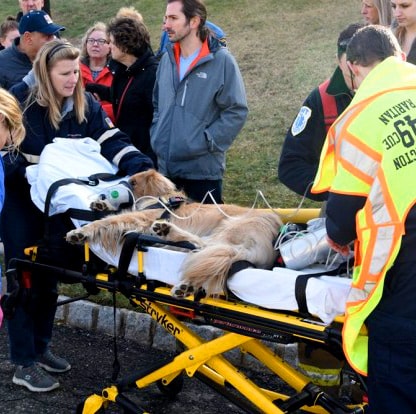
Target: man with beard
x,y
199,103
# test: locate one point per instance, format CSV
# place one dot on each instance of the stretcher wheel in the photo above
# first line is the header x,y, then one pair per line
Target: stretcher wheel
x,y
172,389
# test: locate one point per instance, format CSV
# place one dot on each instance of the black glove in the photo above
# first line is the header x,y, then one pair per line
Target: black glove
x,y
102,91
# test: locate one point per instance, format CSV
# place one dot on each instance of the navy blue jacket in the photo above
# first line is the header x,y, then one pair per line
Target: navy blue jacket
x,y
14,65
115,145
301,151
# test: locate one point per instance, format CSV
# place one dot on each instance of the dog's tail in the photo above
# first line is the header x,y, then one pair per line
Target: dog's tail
x,y
209,268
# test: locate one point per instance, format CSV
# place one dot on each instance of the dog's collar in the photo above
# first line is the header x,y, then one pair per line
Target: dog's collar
x,y
171,203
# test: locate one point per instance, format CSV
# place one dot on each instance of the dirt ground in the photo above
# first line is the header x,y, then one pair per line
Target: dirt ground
x,y
91,356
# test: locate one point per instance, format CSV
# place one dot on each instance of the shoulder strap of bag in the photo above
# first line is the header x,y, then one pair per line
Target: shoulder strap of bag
x,y
329,105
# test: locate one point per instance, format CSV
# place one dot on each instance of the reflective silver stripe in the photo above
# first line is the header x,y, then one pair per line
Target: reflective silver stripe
x,y
368,166
339,124
385,234
123,152
358,295
359,159
33,159
107,134
380,213
382,248
349,152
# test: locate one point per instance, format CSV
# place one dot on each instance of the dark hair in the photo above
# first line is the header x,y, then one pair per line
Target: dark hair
x,y
195,8
371,44
345,37
130,35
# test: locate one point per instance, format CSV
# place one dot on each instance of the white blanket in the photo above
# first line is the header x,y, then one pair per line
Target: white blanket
x,y
325,295
67,158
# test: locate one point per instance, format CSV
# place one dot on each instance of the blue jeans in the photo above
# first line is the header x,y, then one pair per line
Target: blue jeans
x,y
391,363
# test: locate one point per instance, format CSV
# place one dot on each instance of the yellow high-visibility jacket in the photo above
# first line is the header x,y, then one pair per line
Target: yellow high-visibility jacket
x,y
370,151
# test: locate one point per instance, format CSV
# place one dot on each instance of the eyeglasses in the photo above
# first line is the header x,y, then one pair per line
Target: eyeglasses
x,y
100,42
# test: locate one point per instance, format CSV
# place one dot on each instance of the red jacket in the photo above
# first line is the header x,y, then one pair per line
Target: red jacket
x,y
104,78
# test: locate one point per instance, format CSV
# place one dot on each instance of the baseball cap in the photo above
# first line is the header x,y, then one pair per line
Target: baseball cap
x,y
38,21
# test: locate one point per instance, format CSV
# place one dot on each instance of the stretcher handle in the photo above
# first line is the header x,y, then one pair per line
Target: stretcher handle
x,y
148,240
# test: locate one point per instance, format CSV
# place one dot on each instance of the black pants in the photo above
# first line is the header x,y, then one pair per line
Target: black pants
x,y
197,189
391,364
23,225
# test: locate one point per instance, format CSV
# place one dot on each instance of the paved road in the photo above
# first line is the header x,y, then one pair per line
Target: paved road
x,y
91,356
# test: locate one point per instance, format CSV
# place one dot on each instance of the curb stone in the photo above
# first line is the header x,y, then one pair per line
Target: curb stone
x,y
140,328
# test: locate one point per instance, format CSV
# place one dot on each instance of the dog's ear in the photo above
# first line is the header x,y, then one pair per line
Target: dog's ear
x,y
138,183
158,185
151,183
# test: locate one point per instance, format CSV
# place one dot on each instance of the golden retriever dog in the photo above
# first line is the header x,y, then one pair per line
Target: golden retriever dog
x,y
146,183
222,234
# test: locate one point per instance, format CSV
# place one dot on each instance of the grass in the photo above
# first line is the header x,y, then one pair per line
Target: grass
x,y
284,50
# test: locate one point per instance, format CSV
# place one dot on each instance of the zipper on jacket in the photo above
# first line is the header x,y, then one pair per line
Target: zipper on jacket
x,y
184,93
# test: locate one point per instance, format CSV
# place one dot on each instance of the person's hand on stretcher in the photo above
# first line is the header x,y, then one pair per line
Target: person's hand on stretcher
x,y
342,250
341,211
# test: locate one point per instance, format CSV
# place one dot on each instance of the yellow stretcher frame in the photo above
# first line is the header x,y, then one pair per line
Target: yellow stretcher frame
x,y
244,326
205,358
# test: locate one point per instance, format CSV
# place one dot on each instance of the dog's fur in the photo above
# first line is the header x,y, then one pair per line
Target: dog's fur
x,y
222,237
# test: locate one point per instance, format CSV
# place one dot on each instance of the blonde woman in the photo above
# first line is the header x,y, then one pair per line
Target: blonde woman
x,y
56,106
377,12
404,12
12,133
95,54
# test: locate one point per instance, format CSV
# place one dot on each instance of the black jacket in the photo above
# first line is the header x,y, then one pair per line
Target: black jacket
x,y
299,159
131,95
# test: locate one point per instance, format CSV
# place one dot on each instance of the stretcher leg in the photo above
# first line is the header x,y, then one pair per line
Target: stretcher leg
x,y
208,354
204,359
306,390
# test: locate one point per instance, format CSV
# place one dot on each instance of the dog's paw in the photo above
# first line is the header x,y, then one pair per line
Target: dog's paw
x,y
76,237
182,290
101,205
161,228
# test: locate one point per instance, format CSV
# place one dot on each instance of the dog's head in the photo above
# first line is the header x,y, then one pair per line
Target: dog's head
x,y
151,183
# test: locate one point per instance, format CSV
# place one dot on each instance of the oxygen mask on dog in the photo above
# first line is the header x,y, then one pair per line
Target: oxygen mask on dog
x,y
119,195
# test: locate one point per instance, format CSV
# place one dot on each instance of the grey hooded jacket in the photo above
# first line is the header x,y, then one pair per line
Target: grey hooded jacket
x,y
196,120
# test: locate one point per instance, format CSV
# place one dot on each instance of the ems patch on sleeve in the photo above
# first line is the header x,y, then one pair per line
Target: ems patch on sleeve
x,y
301,120
109,122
